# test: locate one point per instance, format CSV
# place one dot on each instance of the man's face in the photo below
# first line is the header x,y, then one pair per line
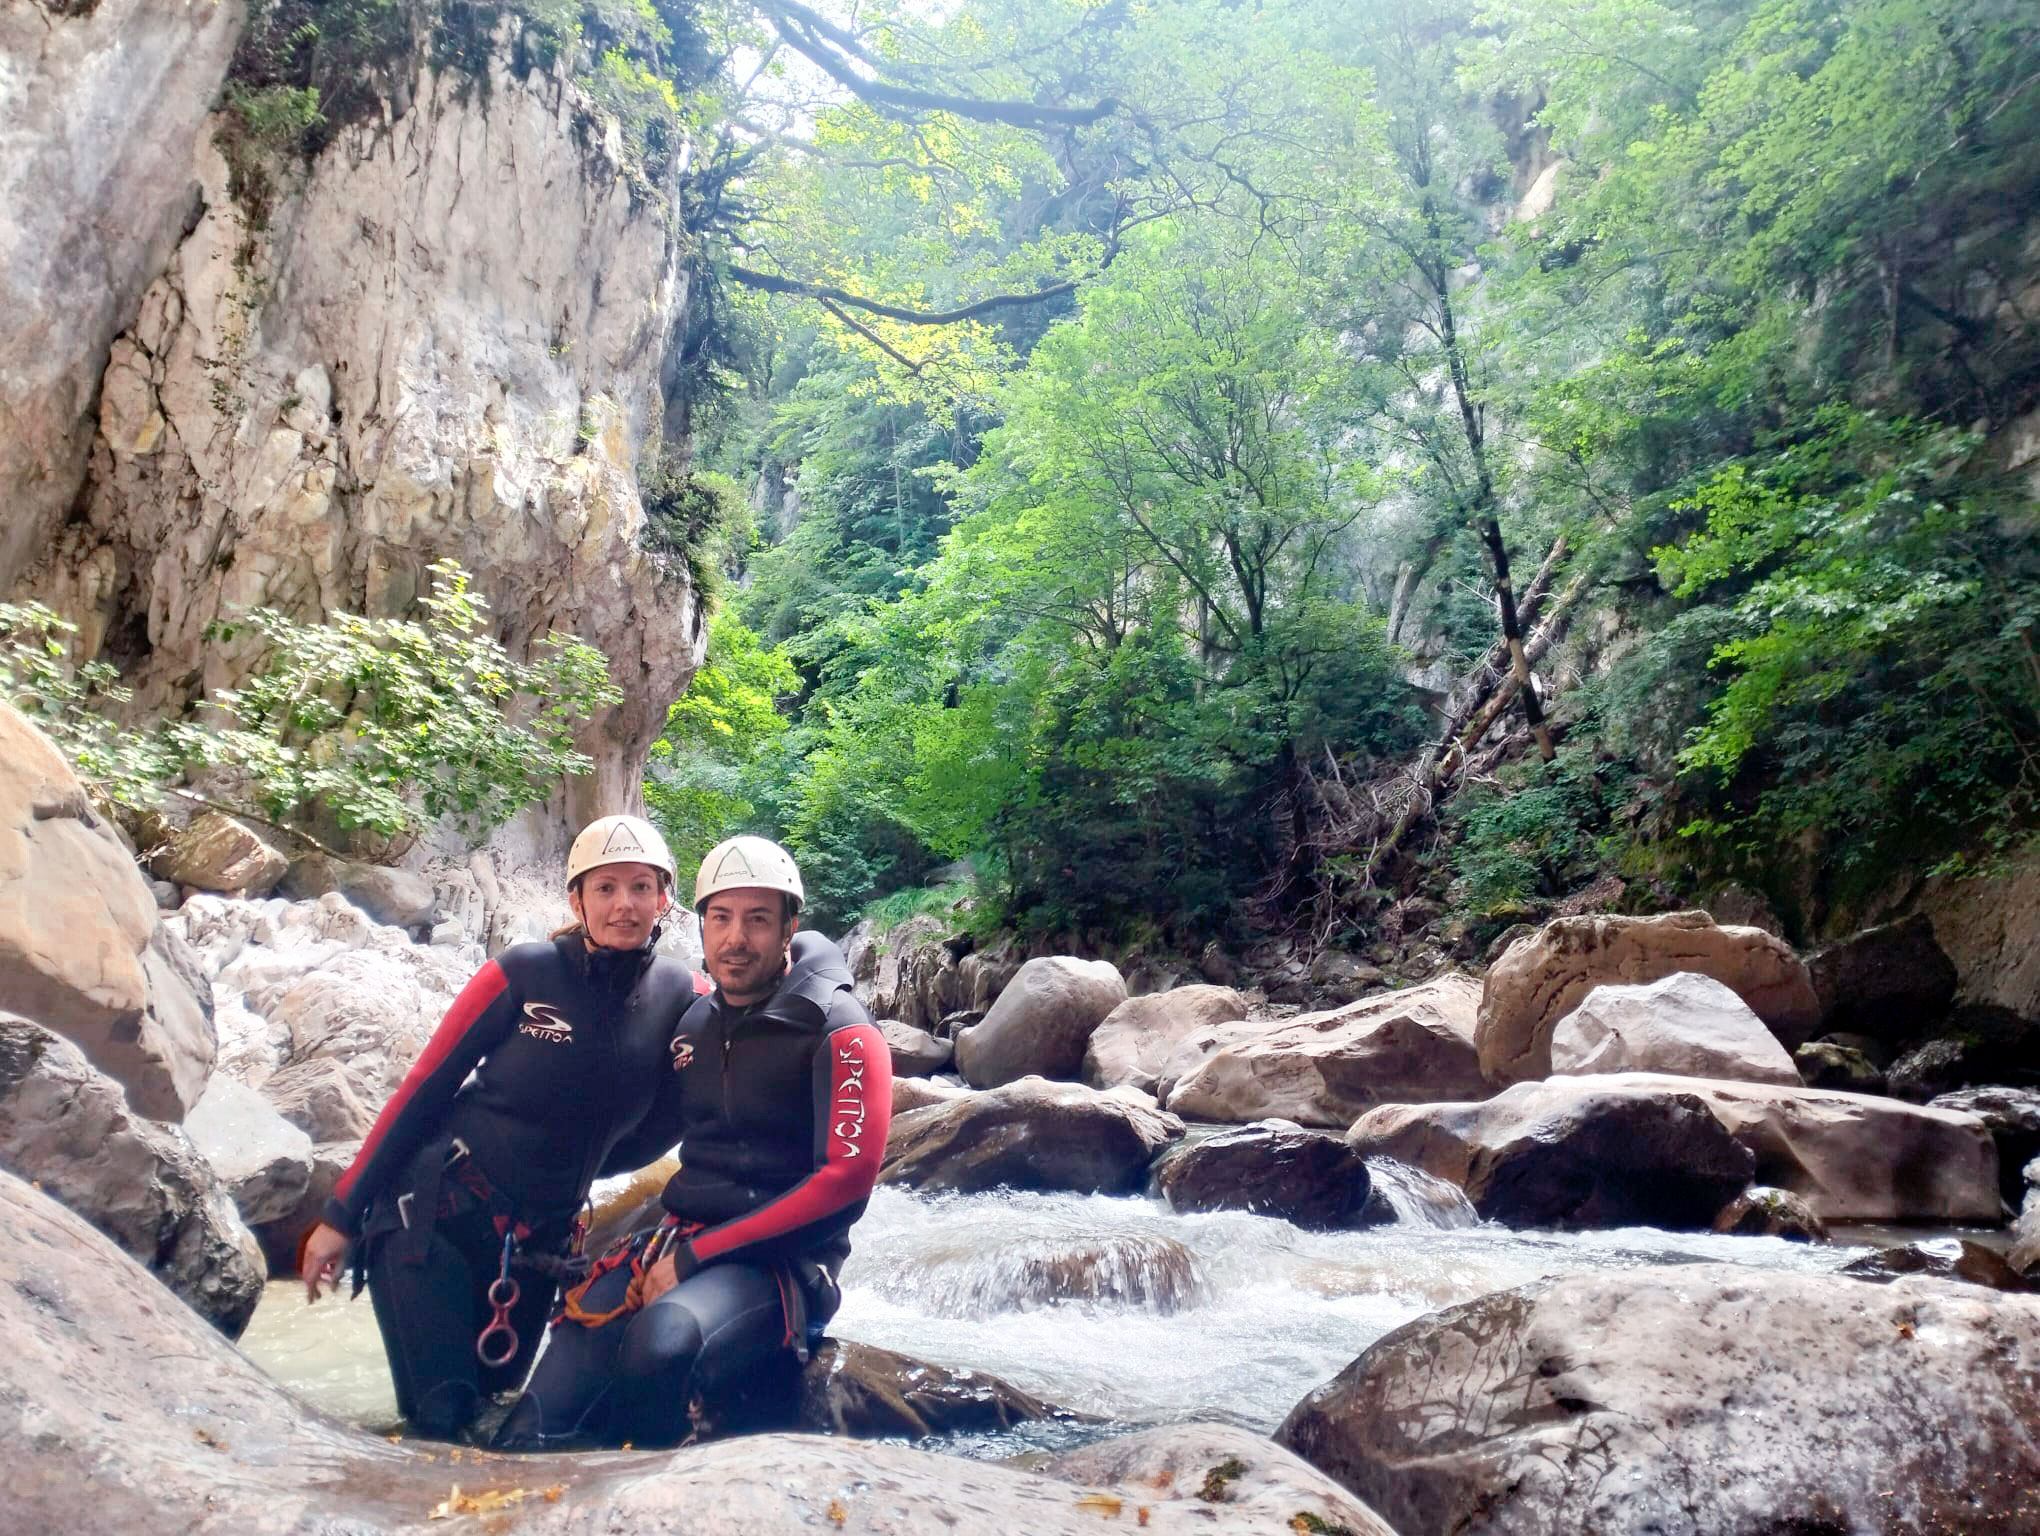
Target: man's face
x,y
618,903
744,938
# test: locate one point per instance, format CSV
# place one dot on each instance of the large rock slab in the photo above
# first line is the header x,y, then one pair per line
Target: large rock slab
x,y
2013,1116
398,897
1041,1022
218,853
1685,1024
1541,979
1324,1069
1312,1178
1572,1152
67,1127
1702,1400
1851,1157
1891,982
1031,1134
122,1412
260,1156
77,922
1135,1040
850,1388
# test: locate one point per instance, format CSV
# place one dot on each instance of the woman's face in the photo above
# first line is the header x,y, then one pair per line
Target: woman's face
x,y
618,904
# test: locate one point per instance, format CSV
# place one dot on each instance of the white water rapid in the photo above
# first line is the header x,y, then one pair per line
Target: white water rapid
x,y
1115,1307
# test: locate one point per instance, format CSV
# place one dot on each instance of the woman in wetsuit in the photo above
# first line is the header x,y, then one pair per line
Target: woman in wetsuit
x,y
779,1092
461,1203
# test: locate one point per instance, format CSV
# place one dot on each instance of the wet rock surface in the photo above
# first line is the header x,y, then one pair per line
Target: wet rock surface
x,y
2013,1115
1312,1178
1572,1152
1761,1211
1030,1134
67,1127
1695,1401
1541,979
1324,1069
1946,1258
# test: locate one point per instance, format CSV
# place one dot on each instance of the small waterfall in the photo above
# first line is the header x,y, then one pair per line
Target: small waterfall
x,y
1419,1199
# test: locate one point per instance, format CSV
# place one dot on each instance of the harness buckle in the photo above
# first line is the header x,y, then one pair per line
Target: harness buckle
x,y
404,1208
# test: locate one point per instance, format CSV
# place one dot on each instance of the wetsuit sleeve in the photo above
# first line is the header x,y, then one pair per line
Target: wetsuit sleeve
x,y
658,1130
480,1018
853,1111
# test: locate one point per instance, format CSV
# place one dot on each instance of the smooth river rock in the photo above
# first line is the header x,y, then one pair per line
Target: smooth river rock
x,y
264,1159
1572,1152
66,1126
1685,1024
1031,1134
1275,1168
1136,1039
1541,979
123,1412
1324,1069
1041,1023
77,934
1697,1400
1850,1156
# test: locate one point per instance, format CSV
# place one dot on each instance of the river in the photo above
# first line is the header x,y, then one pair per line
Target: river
x,y
1112,1306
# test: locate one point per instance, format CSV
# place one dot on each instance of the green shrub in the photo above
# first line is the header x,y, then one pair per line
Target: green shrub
x,y
377,724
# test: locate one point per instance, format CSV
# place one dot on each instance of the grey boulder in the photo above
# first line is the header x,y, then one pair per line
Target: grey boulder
x,y
1041,1023
1030,1134
67,1127
1699,1400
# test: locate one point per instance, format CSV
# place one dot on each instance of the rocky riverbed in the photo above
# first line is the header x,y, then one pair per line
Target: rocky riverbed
x,y
1539,1247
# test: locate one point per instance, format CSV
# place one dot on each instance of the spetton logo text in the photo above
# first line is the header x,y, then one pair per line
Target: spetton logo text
x,y
543,1022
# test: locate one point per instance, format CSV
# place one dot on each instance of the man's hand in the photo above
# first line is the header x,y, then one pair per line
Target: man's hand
x,y
319,1261
675,1265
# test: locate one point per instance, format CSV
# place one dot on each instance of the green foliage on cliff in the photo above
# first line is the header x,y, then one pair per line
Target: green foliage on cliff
x,y
381,725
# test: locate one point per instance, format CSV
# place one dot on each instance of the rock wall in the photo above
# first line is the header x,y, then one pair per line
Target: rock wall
x,y
446,337
99,104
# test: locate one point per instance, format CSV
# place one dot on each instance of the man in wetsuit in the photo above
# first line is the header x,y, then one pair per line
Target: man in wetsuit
x,y
779,1092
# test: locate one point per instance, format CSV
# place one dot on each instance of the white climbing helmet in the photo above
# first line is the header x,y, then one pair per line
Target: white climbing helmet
x,y
620,840
738,862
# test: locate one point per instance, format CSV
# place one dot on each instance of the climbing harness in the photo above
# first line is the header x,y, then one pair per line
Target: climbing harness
x,y
641,1250
503,1294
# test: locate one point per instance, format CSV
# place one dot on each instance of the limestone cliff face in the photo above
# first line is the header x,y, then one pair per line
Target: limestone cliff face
x,y
98,108
446,339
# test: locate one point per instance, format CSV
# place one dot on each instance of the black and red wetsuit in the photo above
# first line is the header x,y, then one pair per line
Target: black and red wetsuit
x,y
780,1109
528,1091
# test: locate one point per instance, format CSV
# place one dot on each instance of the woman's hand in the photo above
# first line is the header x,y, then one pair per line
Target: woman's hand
x,y
673,1266
319,1261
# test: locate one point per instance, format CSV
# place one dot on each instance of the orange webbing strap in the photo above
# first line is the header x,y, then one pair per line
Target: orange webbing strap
x,y
641,1250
